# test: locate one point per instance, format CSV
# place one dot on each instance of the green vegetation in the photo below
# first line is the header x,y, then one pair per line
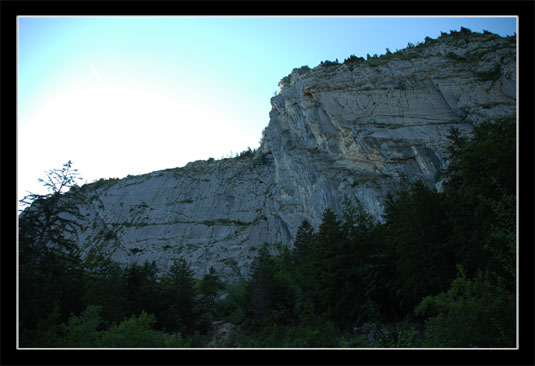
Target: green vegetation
x,y
472,313
440,271
246,154
456,57
107,234
225,222
353,61
133,332
370,179
104,183
413,51
490,75
328,63
303,70
262,159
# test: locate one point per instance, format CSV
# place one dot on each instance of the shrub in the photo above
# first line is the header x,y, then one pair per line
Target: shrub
x,y
455,56
137,332
473,313
246,154
233,307
354,59
465,31
490,75
106,183
328,63
83,331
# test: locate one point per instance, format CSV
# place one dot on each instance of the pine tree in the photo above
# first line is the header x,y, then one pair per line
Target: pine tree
x,y
418,230
209,287
325,276
261,287
105,286
303,241
481,176
179,296
141,288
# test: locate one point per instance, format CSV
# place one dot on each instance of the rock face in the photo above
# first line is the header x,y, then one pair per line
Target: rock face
x,y
355,129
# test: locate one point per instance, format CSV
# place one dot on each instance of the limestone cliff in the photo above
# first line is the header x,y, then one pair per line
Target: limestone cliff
x,y
354,129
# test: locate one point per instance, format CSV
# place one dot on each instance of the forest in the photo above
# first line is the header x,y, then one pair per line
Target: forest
x,y
438,272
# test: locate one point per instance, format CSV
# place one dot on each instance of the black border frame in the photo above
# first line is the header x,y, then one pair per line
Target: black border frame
x,y
525,11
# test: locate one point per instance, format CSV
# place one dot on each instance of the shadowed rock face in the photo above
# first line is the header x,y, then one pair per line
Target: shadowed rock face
x,y
354,130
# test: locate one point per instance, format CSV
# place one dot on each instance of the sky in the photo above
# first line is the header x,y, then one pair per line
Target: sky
x,y
125,96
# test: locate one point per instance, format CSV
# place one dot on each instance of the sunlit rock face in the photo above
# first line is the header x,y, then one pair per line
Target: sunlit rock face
x,y
214,213
355,130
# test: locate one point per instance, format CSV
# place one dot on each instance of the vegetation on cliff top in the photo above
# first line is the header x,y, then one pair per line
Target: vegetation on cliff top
x,y
412,51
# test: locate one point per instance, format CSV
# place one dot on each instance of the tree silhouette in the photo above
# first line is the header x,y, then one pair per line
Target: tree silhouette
x,y
50,275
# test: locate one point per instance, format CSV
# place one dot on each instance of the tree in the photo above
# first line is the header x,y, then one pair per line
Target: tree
x,y
482,177
142,289
261,287
50,222
105,286
303,241
179,297
478,309
490,153
417,232
209,287
357,223
472,313
362,268
50,274
326,280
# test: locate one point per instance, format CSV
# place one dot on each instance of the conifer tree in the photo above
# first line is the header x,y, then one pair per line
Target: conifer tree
x,y
261,287
326,260
209,287
303,241
179,297
141,288
418,230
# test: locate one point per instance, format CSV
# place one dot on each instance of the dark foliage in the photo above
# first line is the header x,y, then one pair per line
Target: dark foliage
x,y
328,63
354,59
178,298
141,288
268,297
416,233
246,154
50,273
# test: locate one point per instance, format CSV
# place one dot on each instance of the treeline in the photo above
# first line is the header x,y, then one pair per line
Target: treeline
x,y
98,303
440,271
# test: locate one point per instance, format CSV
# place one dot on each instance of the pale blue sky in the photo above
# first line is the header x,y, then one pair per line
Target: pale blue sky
x,y
131,95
